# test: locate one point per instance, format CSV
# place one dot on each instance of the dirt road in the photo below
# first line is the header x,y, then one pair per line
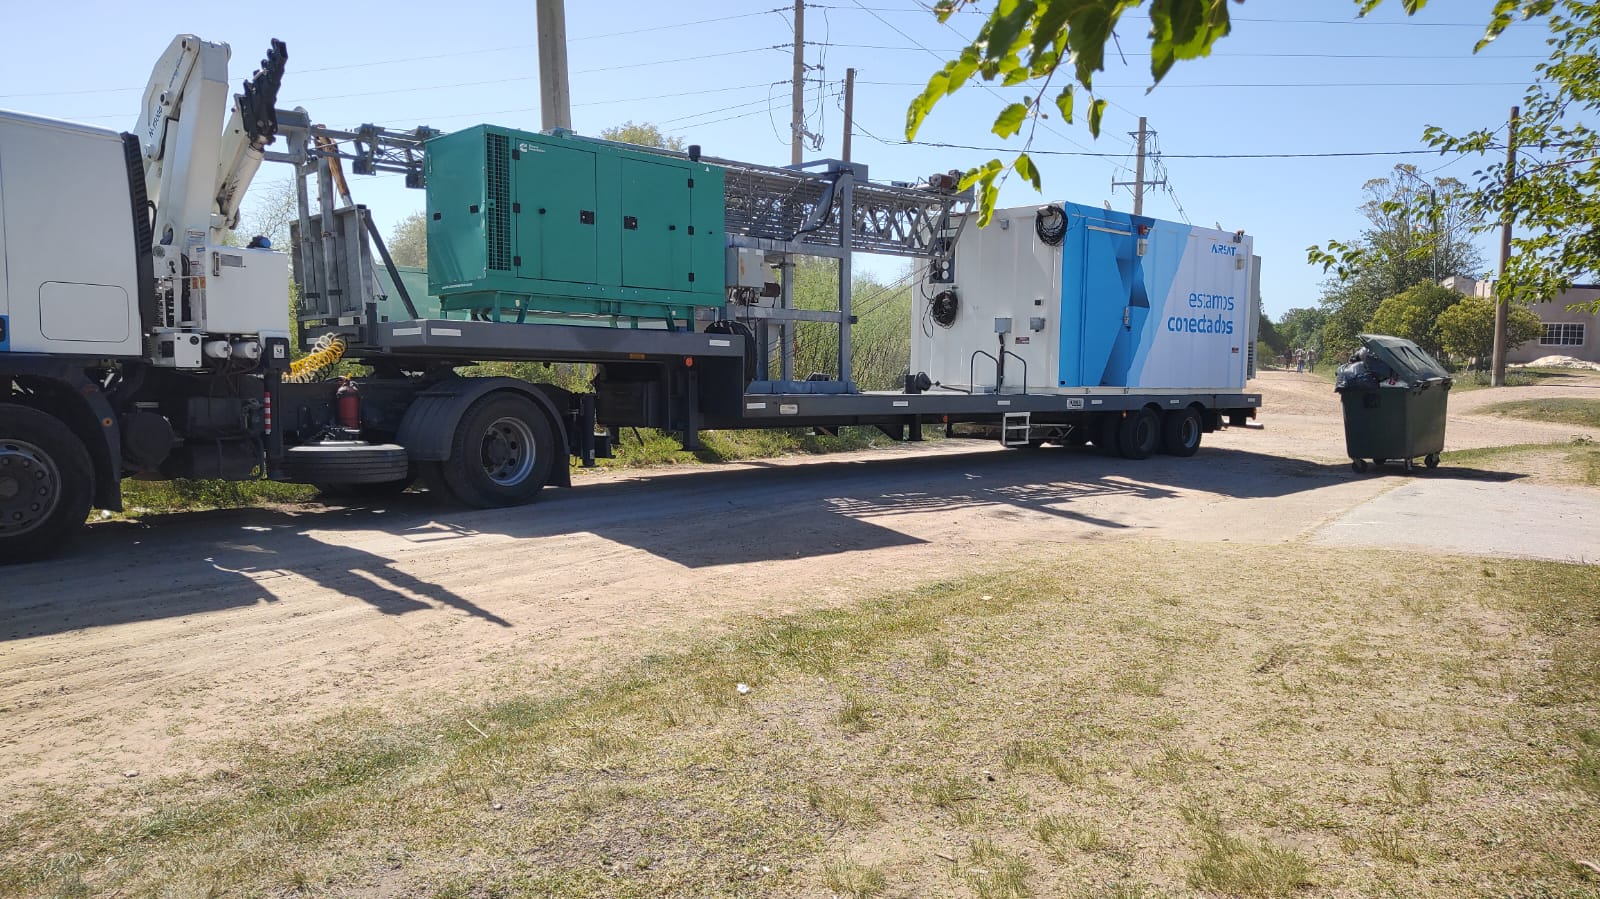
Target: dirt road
x,y
147,641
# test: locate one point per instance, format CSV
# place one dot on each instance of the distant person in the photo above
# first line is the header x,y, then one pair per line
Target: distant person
x,y
1299,360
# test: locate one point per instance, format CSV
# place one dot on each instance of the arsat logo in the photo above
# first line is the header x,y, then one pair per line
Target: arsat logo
x,y
1224,249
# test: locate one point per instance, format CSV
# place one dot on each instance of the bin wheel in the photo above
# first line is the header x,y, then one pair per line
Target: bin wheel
x,y
1431,460
1359,465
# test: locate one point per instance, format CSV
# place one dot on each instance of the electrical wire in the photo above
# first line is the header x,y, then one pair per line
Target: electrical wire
x,y
1314,155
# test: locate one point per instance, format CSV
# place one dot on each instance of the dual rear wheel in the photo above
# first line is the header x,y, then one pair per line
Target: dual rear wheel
x,y
1141,433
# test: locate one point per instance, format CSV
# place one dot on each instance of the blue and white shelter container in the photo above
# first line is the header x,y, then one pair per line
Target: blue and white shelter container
x,y
1067,298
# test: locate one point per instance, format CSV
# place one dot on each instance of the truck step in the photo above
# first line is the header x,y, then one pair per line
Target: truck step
x,y
1016,428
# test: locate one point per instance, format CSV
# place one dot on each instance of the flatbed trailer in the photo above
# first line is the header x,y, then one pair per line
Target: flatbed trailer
x,y
720,407
136,342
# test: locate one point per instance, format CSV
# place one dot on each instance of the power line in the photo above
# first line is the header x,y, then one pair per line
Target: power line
x,y
1293,55
1168,85
1094,154
655,28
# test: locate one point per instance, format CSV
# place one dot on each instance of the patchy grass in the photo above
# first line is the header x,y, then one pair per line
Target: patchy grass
x,y
644,447
1564,410
1239,867
846,877
147,497
1577,461
1335,734
1519,377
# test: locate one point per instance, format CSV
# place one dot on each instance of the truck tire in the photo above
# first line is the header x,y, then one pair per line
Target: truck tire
x,y
1181,430
1139,435
346,463
502,452
46,483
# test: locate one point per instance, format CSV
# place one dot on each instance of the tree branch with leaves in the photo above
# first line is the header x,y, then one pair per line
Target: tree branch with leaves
x,y
1024,42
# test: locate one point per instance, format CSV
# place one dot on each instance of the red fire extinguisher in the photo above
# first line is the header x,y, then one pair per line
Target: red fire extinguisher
x,y
347,406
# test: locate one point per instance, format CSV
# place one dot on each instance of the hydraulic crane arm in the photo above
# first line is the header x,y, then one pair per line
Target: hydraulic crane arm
x,y
197,172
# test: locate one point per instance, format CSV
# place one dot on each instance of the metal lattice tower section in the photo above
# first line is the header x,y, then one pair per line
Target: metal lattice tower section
x,y
797,209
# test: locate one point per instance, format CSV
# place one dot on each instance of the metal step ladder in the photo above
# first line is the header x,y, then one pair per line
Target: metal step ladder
x,y
1016,429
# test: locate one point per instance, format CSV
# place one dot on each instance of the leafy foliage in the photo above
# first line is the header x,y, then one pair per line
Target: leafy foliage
x,y
1414,315
408,243
643,134
1029,41
1399,250
1554,200
1466,329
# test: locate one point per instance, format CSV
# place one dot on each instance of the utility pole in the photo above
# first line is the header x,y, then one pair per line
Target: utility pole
x,y
555,98
849,110
797,101
1138,183
1502,292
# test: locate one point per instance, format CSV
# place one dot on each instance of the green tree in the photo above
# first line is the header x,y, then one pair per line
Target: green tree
x,y
1302,328
1029,41
1399,249
643,134
408,242
1414,315
1554,202
1466,329
1267,333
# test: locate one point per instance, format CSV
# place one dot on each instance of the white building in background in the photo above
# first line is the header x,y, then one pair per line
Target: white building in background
x,y
1575,334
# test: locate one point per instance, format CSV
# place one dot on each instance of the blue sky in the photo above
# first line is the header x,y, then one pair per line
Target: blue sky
x,y
1295,77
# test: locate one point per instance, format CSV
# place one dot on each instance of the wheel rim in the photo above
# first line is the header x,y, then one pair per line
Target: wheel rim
x,y
1190,431
30,487
508,451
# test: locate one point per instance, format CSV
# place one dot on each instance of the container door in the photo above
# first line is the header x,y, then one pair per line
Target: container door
x,y
556,213
655,225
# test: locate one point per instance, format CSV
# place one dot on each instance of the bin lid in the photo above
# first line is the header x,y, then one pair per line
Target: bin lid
x,y
1407,359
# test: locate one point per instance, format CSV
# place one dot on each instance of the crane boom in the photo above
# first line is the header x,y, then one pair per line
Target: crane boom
x,y
196,170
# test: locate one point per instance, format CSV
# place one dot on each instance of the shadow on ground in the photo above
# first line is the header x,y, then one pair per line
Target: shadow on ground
x,y
704,517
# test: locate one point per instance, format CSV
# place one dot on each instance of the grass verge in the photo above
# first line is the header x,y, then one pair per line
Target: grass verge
x,y
1346,730
1564,410
1519,377
1577,461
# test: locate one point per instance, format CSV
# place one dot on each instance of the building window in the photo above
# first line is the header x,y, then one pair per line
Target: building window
x,y
1562,334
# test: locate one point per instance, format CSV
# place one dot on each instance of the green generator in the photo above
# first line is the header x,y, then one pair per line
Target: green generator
x,y
524,225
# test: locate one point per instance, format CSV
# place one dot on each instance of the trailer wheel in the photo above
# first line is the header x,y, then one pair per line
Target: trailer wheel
x,y
1181,430
502,452
1106,431
46,483
1140,434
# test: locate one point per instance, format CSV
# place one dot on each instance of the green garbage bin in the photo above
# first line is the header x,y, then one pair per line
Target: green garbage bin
x,y
1394,397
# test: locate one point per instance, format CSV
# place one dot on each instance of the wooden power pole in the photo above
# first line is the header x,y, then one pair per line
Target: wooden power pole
x,y
555,98
849,111
797,96
1502,291
1142,136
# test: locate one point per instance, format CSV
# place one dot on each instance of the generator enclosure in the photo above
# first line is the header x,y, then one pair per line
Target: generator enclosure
x,y
1073,297
530,225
